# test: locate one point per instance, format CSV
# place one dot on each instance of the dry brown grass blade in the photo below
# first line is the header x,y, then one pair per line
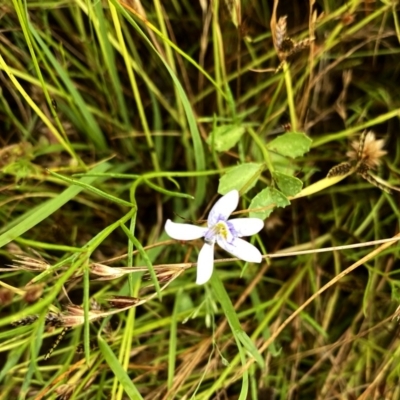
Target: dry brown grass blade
x,y
280,32
235,10
332,282
273,25
137,9
195,357
60,378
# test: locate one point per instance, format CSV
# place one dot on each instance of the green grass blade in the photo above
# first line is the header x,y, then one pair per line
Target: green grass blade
x,y
233,320
198,150
109,59
47,208
146,259
118,370
92,189
93,130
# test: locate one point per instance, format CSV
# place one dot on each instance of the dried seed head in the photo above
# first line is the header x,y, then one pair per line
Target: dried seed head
x,y
367,151
287,45
94,304
53,319
6,296
280,31
64,391
28,320
75,315
340,169
165,273
105,273
29,264
122,301
301,45
56,343
379,184
33,293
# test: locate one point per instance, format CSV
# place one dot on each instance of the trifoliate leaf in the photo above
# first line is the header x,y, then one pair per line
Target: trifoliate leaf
x,y
289,185
225,137
242,177
291,144
267,197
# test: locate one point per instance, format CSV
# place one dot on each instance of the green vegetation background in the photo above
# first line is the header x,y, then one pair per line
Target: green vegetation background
x,y
116,115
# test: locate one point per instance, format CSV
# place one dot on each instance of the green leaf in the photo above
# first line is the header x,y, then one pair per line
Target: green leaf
x,y
240,335
145,258
289,185
242,177
91,189
249,346
395,288
282,163
93,129
291,144
39,213
198,150
225,137
118,370
267,197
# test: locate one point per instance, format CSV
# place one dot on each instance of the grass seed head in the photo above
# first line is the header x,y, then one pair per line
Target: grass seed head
x,y
280,31
370,152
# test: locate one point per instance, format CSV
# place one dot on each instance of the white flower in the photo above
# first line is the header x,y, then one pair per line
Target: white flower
x,y
221,230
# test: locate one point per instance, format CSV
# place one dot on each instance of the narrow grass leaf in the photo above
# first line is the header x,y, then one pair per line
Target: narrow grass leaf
x,y
12,359
198,150
309,319
168,192
92,189
38,111
86,307
93,130
35,344
109,59
321,185
173,339
118,370
145,257
43,211
233,320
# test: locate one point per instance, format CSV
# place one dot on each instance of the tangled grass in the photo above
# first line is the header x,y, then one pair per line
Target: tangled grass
x,y
118,115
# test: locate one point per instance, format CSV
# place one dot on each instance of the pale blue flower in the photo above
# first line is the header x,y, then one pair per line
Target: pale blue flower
x,y
226,233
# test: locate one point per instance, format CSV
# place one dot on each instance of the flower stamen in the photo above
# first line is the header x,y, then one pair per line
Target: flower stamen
x,y
222,230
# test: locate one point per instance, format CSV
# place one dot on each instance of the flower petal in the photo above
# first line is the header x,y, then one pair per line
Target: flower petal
x,y
205,263
246,226
241,249
223,208
184,231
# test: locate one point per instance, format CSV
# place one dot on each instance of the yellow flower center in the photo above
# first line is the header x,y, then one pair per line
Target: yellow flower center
x,y
220,228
